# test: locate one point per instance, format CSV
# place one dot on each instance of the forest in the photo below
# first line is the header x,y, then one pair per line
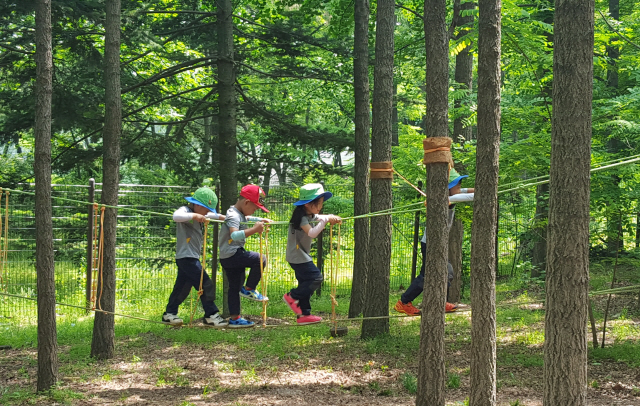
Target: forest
x,y
112,111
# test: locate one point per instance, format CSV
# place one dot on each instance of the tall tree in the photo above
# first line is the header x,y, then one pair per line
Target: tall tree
x,y
464,70
485,209
381,197
45,268
613,52
227,138
431,367
103,343
565,352
361,167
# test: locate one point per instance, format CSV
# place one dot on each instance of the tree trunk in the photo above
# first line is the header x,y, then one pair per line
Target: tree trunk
x,y
103,343
381,198
539,254
612,51
463,73
485,208
45,268
227,119
431,368
362,150
456,236
565,354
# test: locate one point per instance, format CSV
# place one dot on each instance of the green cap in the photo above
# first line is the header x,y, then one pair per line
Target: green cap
x,y
455,177
204,197
311,192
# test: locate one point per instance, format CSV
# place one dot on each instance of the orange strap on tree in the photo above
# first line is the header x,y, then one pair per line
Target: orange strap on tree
x,y
437,150
381,170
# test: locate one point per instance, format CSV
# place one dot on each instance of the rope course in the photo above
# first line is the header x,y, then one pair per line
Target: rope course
x,y
97,245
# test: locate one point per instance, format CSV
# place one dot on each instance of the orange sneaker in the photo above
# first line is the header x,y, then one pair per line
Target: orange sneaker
x,y
407,309
450,307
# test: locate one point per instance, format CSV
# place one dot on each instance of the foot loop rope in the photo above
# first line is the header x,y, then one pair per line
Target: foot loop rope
x,y
202,270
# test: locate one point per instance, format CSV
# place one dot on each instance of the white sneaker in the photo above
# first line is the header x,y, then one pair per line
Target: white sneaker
x,y
215,320
171,319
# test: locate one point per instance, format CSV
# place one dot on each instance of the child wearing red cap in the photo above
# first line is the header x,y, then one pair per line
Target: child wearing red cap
x,y
235,259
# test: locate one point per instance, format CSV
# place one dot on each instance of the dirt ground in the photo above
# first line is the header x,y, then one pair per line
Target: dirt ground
x,y
182,375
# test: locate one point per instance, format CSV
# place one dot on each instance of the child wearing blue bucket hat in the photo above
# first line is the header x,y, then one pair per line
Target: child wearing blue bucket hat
x,y
301,233
457,194
189,239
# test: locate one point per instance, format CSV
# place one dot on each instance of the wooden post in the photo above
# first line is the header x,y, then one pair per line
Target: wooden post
x,y
92,193
416,236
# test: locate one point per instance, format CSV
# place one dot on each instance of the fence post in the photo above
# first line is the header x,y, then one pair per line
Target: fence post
x,y
416,234
92,192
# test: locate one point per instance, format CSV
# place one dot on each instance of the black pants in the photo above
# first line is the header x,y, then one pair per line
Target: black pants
x,y
417,285
235,267
189,270
309,280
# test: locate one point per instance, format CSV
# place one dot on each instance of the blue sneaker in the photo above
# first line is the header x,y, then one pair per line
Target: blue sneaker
x,y
253,295
240,323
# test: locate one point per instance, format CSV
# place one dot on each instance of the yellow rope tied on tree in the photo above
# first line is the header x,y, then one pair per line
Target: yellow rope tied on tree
x,y
335,262
202,268
263,272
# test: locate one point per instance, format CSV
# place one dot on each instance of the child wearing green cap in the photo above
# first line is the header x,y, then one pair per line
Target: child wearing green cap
x,y
457,194
189,239
308,207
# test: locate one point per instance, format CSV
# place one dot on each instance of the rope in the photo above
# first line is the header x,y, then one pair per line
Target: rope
x,y
333,278
94,263
263,274
202,268
410,184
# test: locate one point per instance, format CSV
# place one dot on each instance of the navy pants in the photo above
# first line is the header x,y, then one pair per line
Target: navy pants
x,y
309,280
189,270
417,285
235,267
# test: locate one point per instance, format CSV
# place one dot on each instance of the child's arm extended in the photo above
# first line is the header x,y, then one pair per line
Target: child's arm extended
x,y
215,216
461,197
323,219
256,219
183,215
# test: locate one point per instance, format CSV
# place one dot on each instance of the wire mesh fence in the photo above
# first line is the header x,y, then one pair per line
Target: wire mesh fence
x,y
145,267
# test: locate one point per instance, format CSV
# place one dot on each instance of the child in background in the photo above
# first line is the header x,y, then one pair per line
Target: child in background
x,y
189,241
312,197
457,194
235,259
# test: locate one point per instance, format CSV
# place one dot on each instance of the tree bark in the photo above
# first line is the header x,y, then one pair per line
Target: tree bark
x,y
463,73
381,198
227,118
45,268
362,150
431,368
565,354
612,51
103,343
539,254
456,236
485,208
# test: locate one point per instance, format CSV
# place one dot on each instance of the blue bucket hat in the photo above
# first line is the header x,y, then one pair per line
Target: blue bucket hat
x,y
204,197
311,192
455,178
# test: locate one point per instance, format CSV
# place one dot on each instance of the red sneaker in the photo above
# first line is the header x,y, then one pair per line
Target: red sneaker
x,y
292,303
309,319
407,309
450,307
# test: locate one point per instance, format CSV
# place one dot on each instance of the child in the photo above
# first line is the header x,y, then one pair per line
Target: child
x,y
312,197
235,259
456,195
189,237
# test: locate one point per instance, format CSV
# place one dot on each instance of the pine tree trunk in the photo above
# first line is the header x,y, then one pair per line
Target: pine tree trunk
x,y
103,343
485,208
565,354
539,252
381,199
431,368
612,51
362,150
456,236
226,119
464,73
45,268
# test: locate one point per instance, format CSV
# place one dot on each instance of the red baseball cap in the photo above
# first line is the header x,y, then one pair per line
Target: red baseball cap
x,y
255,195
